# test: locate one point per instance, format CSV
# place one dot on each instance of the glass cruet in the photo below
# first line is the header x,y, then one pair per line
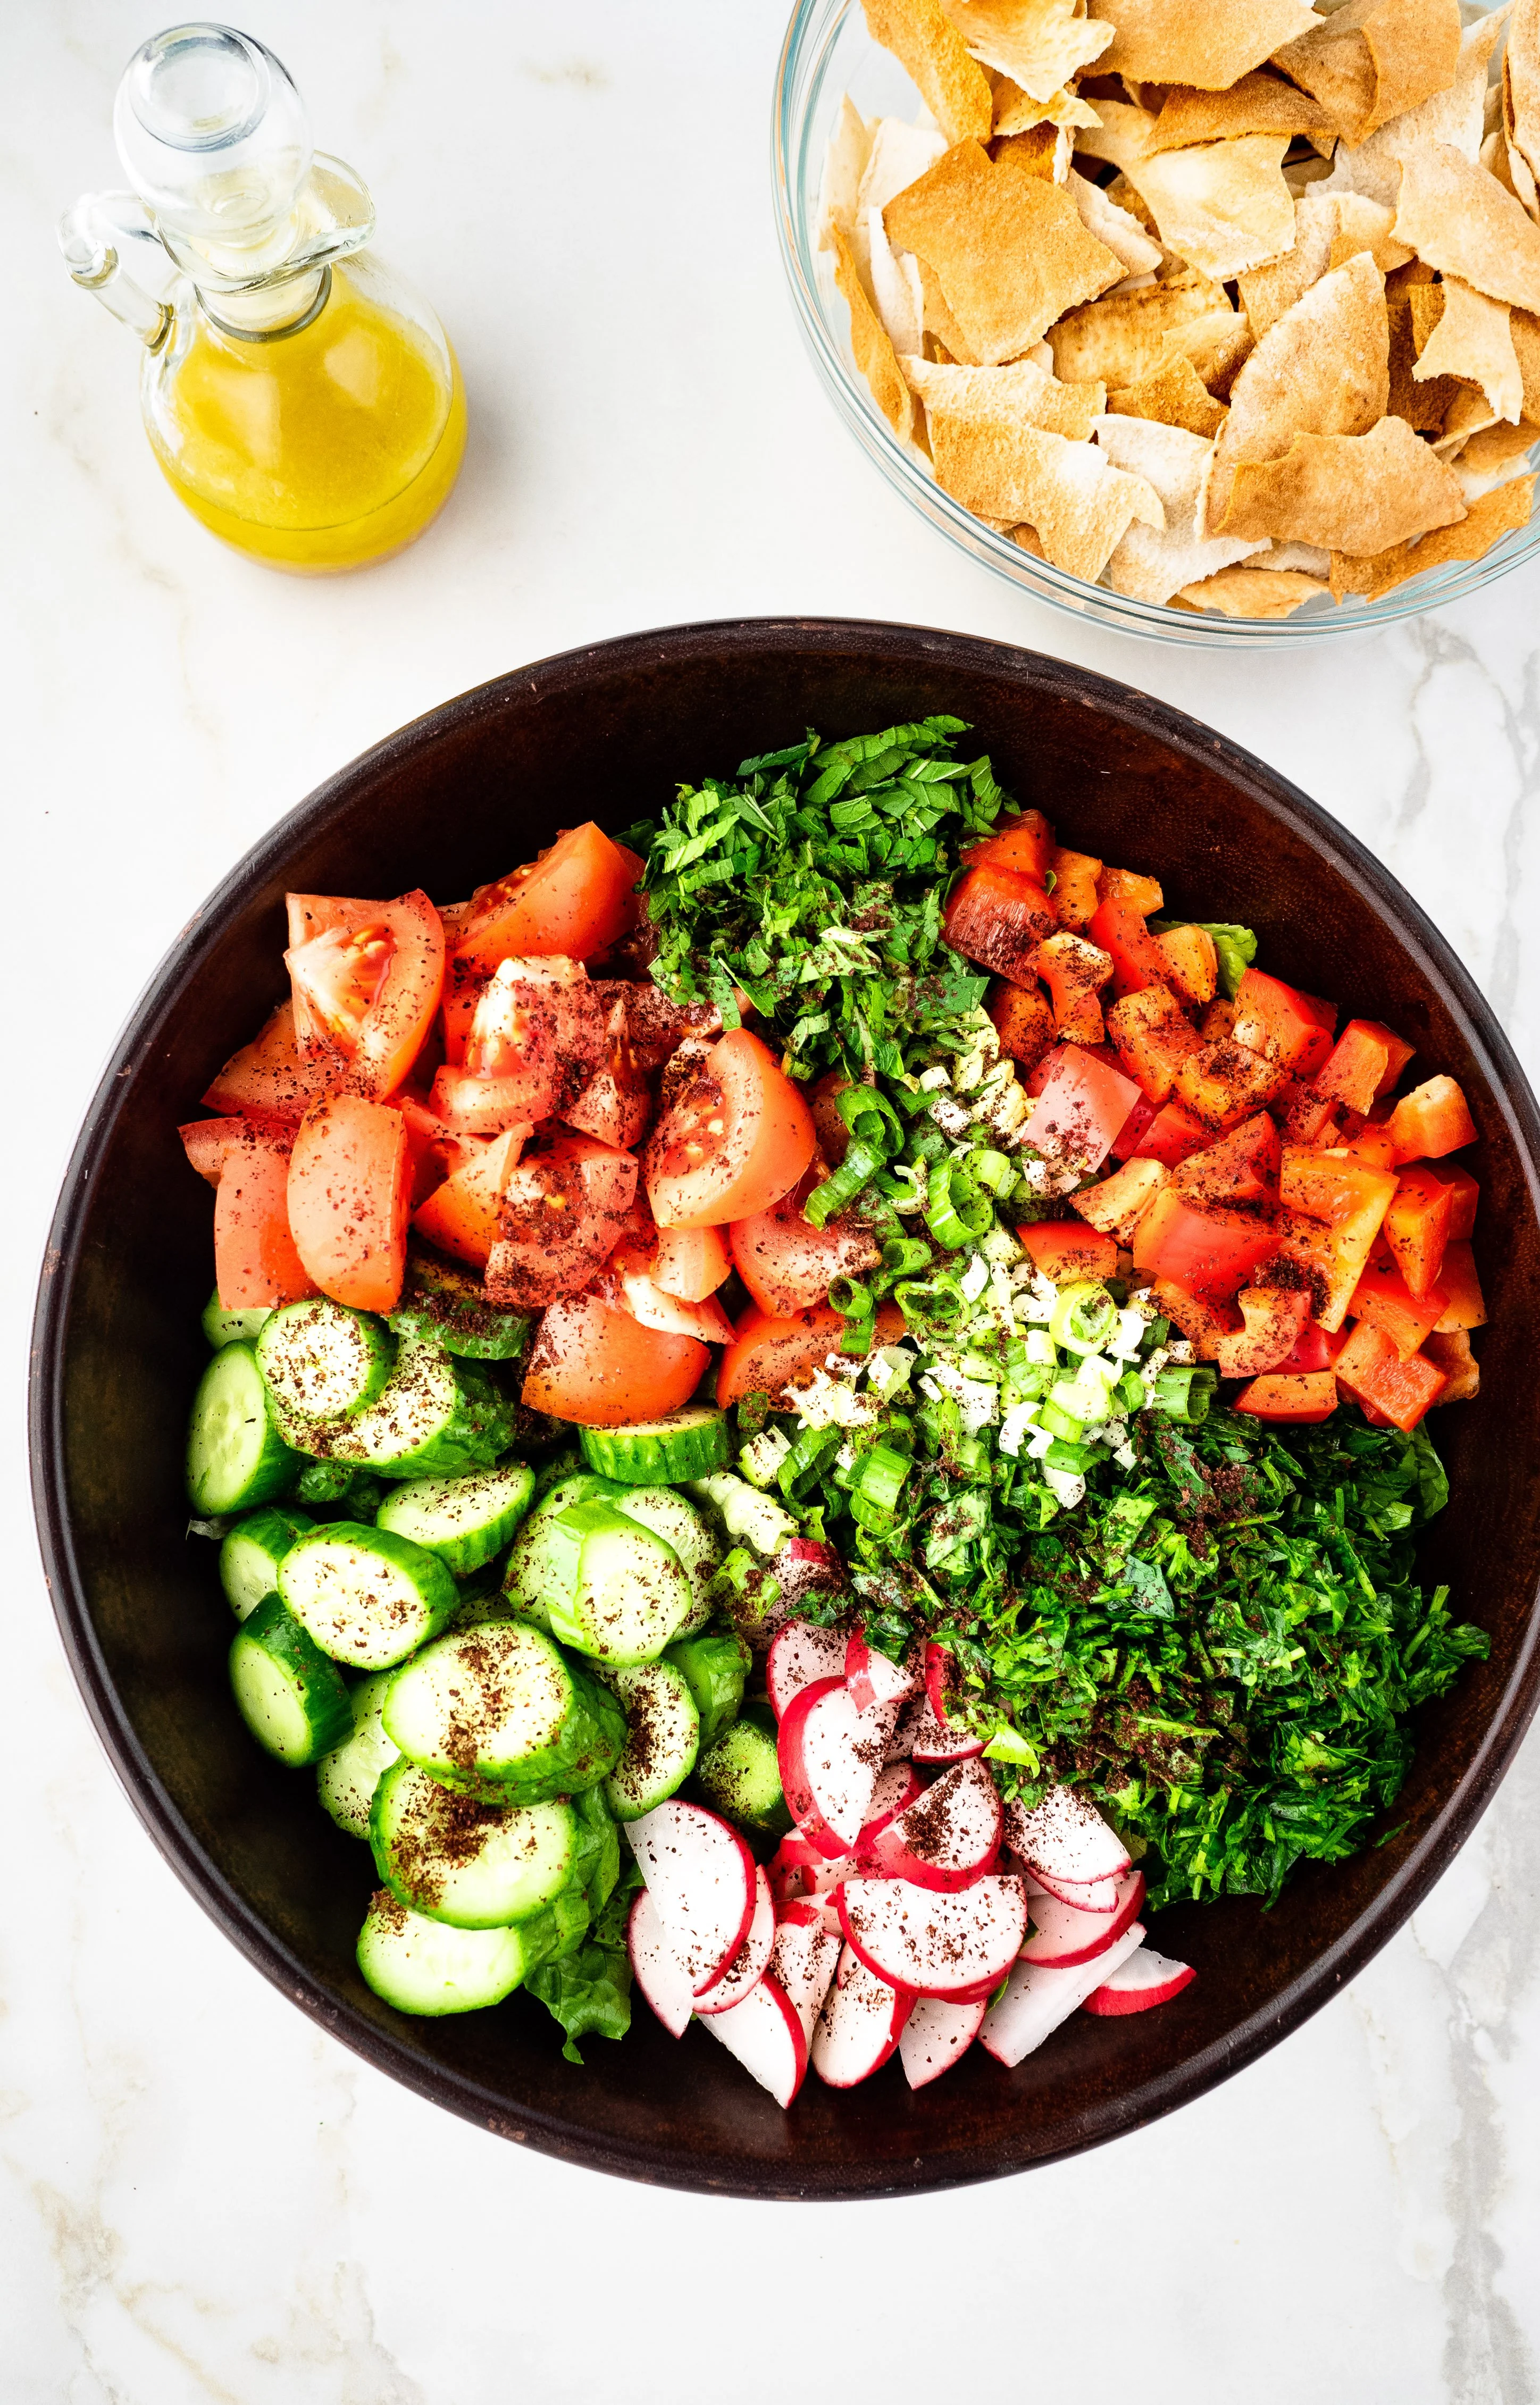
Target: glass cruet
x,y
301,398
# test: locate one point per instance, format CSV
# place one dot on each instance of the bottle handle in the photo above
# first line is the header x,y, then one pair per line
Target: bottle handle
x,y
92,236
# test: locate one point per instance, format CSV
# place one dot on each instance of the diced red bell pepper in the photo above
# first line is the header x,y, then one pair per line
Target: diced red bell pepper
x,y
1067,1249
1417,1227
1383,1297
1464,1195
1118,928
1204,1324
1074,893
1452,1353
1154,1037
1133,1131
1368,1144
1217,1020
1310,1117
1466,1307
1298,1399
1364,1063
1376,1375
1334,1210
1192,965
1275,1318
1330,1186
1433,1119
1074,973
1037,1079
1023,1022
1316,1349
1131,885
1241,1168
1224,1082
1210,1253
1119,1202
1079,1110
1283,1023
1172,1136
1024,844
998,918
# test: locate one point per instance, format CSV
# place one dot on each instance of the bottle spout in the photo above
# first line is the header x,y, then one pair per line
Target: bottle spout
x,y
92,239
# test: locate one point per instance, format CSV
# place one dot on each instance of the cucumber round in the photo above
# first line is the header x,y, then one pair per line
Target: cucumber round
x,y
347,1778
527,1580
476,1866
250,1554
616,1591
236,1455
435,1418
221,1327
367,1596
659,1453
714,1668
290,1695
465,1521
447,1303
676,1519
324,1362
663,1736
425,1966
741,1777
499,1712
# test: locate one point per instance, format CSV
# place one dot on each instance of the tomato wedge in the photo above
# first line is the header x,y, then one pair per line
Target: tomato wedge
x,y
647,1302
255,1260
368,984
461,1216
689,1262
208,1143
733,1142
575,898
769,1354
786,1264
616,1103
269,1078
562,1209
600,1368
349,1192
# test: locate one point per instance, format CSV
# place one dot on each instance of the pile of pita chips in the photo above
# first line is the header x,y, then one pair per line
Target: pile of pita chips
x,y
1229,305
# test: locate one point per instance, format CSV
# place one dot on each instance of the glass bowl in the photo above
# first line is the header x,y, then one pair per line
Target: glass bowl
x,y
827,52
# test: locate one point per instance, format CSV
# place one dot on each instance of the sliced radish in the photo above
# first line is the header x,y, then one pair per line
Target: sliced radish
x,y
1060,1936
900,1745
862,2021
931,1740
1140,1982
700,1875
872,1679
948,1837
1085,1895
765,2033
799,1656
1038,2000
799,1869
829,1756
806,1953
936,2034
802,1567
897,1787
1065,1838
938,1944
751,1960
656,1965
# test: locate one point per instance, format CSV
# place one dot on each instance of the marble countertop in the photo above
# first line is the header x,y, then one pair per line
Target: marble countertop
x,y
202,2197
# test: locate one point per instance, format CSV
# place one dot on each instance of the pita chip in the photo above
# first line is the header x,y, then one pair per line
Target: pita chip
x,y
1472,341
1488,459
933,54
1455,116
1016,111
868,339
1323,367
1487,521
1460,220
1258,103
1020,393
1375,59
1253,592
939,321
1043,151
1152,563
1268,290
1354,493
1042,44
894,284
1224,206
845,164
1010,250
899,157
1080,505
1470,412
1308,558
1130,335
1210,44
1124,236
1175,395
1423,405
1522,69
1363,224
1525,331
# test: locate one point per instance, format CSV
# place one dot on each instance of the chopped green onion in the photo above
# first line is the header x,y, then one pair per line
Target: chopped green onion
x,y
870,1118
1076,1458
1058,1422
1184,1394
901,1256
957,1212
842,1185
994,1170
851,1299
808,1452
1083,1316
1130,1391
874,1496
930,1305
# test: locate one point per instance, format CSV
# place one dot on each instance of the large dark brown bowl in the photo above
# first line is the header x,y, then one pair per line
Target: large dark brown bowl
x,y
461,797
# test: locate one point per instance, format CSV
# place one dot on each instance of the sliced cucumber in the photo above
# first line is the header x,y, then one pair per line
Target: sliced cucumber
x,y
287,1692
324,1362
660,1453
745,1512
448,1304
236,1456
527,1580
436,1418
741,1777
465,1521
676,1519
476,1866
425,1966
615,1590
498,1712
663,1736
221,1327
347,1778
368,1596
714,1668
250,1554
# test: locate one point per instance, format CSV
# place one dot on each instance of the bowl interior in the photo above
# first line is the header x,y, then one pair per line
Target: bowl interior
x,y
462,797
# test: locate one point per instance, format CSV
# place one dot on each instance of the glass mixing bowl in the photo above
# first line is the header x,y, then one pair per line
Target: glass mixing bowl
x,y
827,52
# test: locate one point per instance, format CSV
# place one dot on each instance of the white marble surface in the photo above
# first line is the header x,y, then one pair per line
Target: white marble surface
x,y
202,2197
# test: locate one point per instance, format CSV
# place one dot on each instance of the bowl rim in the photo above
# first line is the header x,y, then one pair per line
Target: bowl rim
x,y
656,650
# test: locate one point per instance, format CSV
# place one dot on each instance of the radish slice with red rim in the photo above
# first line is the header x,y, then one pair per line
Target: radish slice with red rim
x,y
874,1678
946,1839
656,1967
751,1960
936,2034
931,1739
899,1786
1060,1936
1065,1838
804,1959
764,2032
1139,1983
702,1878
799,1656
938,1944
1086,1895
1039,2001
829,1756
862,2021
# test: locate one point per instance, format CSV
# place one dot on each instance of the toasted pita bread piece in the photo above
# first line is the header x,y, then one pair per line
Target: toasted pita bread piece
x,y
1493,456
1122,234
868,339
1363,224
1016,110
1374,59
1042,44
1224,206
1521,82
1456,116
1175,395
1122,132
1525,331
940,323
1268,290
1152,563
1470,412
1472,341
899,157
894,282
1210,44
1253,592
1424,404
1079,503
844,164
1308,558
1020,393
1323,368
1354,493
1130,335
1460,220
1487,522
933,54
1043,149
1010,250
1258,103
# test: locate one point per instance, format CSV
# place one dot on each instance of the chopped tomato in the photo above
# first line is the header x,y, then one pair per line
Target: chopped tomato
x,y
1203,1324
1118,1204
1063,1250
831,1136
1301,1400
1457,1275
1373,1372
575,899
598,1367
552,1031
655,1026
208,1143
1281,1023
1241,1168
786,1264
435,1148
1275,1318
483,1107
737,1138
269,1079
1074,894
1463,1190
371,986
461,1216
769,1354
653,1307
616,1103
1433,1119
1172,1135
1364,1063
350,1190
255,1261
1118,928
689,1262
998,918
562,1209
1080,1107
1213,1253
1418,1226
1192,964
1136,1127
1023,1022
1154,1037
1224,1082
1074,972
1024,844
1384,1299
1452,1353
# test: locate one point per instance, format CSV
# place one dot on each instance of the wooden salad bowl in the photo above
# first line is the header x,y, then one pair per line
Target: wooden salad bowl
x,y
462,796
